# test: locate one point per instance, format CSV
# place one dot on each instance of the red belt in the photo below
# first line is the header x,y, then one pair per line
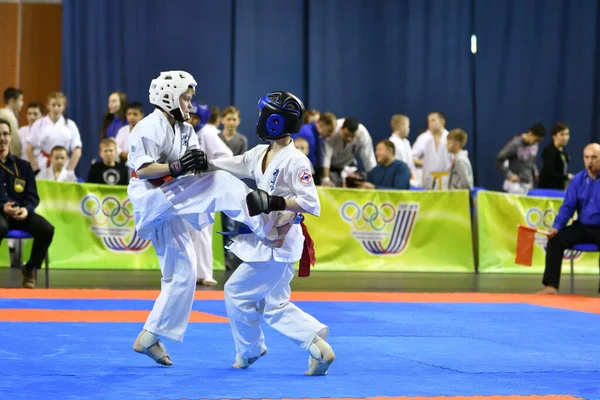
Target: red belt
x,y
48,160
308,252
155,181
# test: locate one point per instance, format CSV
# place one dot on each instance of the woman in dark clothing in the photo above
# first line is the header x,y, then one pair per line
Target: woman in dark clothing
x,y
555,161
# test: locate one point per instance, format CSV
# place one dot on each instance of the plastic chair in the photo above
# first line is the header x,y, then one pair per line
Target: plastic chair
x,y
20,235
80,180
416,188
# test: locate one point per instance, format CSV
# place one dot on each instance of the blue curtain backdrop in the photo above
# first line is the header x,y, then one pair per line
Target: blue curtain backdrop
x,y
369,59
536,62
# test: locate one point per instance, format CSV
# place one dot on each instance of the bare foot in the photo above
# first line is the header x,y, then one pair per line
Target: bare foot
x,y
548,290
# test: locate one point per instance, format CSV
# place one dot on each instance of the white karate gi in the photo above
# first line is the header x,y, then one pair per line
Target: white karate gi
x,y
209,142
65,175
434,159
264,277
45,135
164,214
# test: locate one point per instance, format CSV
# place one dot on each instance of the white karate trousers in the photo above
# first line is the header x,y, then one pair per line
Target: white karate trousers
x,y
263,288
175,207
203,244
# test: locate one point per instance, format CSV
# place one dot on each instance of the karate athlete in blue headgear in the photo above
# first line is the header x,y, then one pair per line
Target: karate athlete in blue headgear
x,y
199,114
285,190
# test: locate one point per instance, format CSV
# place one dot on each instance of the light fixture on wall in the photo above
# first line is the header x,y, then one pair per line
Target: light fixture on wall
x,y
473,44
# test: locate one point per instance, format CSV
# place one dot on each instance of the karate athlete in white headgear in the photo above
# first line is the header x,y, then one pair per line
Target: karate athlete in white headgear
x,y
167,198
260,286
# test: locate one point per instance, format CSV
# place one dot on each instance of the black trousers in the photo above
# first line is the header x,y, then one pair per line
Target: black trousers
x,y
41,230
564,239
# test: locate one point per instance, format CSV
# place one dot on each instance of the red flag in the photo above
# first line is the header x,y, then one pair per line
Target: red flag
x,y
525,241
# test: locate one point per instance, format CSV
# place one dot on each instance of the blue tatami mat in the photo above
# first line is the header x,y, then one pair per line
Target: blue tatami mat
x,y
382,349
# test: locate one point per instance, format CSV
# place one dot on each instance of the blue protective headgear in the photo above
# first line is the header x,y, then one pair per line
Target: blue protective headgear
x,y
203,112
280,115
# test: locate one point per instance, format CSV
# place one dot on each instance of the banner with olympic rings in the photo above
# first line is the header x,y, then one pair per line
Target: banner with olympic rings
x,y
379,230
499,214
95,228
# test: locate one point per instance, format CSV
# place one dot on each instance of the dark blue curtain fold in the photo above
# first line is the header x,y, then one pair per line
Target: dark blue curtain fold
x,y
374,59
269,55
536,61
113,45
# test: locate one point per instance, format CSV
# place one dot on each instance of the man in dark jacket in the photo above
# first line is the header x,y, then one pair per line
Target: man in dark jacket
x,y
18,199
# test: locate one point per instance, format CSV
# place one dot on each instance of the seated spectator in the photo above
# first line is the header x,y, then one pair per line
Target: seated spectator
x,y
461,172
555,161
389,172
521,153
134,114
19,199
581,197
302,145
108,171
350,138
114,117
58,168
35,111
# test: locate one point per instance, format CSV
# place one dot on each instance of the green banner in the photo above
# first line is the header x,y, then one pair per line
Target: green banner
x,y
366,230
357,230
95,228
499,215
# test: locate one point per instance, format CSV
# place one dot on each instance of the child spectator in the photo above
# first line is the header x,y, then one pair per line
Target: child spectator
x,y
134,114
461,172
58,171
237,142
108,171
302,145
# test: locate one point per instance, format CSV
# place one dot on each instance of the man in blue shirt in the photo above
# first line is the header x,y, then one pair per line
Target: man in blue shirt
x,y
315,134
18,200
389,172
583,197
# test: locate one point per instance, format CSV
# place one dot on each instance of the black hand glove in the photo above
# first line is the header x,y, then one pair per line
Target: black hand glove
x,y
192,160
259,202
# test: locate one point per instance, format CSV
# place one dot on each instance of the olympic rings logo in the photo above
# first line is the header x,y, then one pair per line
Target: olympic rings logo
x,y
537,218
369,215
110,209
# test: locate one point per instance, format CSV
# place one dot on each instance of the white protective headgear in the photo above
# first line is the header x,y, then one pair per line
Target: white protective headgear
x,y
166,90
